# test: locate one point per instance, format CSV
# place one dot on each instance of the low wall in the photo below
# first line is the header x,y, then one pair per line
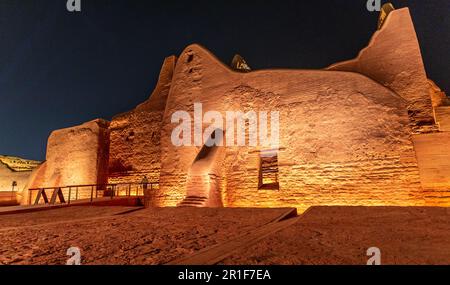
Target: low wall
x,y
433,156
8,198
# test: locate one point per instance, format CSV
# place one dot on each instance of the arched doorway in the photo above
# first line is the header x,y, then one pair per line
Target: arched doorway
x,y
203,181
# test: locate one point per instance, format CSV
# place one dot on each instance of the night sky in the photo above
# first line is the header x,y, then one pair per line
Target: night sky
x,y
60,69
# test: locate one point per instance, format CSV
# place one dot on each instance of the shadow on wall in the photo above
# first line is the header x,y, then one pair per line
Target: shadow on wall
x,y
203,184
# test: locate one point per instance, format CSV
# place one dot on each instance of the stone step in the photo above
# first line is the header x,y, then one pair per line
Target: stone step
x,y
193,201
190,206
185,202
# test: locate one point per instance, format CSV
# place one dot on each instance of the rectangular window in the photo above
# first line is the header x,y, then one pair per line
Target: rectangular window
x,y
268,171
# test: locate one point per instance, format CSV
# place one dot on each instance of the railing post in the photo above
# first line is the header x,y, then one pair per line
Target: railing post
x,y
76,195
29,197
70,192
92,193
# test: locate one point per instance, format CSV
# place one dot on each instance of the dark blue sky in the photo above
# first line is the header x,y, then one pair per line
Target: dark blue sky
x,y
59,69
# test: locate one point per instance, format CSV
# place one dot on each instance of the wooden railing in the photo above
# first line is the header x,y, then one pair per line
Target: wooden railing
x,y
68,194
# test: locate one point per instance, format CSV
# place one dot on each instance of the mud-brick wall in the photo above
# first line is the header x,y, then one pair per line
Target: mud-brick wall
x,y
442,115
135,135
344,138
8,176
75,156
340,145
370,183
135,153
433,155
393,58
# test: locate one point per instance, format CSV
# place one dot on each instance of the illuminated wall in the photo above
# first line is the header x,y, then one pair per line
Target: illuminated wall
x,y
7,177
346,133
135,135
433,155
345,139
393,59
14,169
75,156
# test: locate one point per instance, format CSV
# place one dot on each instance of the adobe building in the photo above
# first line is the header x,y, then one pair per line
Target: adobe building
x,y
14,175
369,131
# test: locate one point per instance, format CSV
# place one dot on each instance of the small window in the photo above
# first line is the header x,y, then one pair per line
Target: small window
x,y
268,171
190,58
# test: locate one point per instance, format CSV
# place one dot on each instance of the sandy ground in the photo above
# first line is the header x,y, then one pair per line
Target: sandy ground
x,y
342,235
147,236
324,235
59,216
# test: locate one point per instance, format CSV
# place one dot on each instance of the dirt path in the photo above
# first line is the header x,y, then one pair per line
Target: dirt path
x,y
149,236
342,235
217,253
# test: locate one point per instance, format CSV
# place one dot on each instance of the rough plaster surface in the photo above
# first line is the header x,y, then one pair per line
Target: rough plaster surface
x,y
433,155
75,156
14,169
442,115
438,97
344,138
7,176
393,58
19,164
135,135
345,132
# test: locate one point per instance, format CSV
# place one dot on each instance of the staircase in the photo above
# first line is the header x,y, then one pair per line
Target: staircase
x,y
193,201
198,185
197,194
202,191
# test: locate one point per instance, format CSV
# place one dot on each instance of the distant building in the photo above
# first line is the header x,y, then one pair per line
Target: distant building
x,y
14,175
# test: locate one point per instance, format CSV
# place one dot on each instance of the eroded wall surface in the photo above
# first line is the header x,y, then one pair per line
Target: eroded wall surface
x,y
75,156
442,115
7,177
345,132
15,169
393,58
344,138
135,135
19,164
433,155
